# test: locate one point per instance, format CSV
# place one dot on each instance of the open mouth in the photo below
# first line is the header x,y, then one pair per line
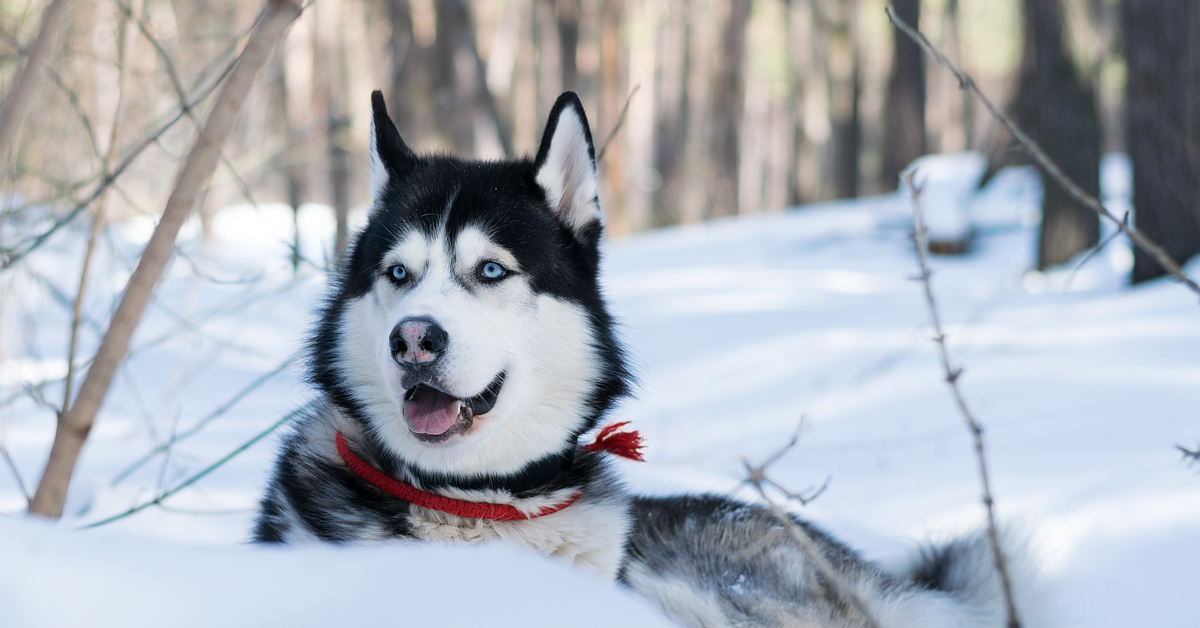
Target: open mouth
x,y
437,417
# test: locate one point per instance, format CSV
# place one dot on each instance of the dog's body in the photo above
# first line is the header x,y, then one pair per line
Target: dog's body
x,y
466,349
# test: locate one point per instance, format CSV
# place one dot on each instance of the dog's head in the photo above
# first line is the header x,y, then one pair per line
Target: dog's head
x,y
467,330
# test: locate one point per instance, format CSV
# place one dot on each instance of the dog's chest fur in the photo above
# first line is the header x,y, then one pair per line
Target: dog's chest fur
x,y
589,533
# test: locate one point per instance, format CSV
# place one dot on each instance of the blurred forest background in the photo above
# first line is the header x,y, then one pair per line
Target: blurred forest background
x,y
703,109
733,106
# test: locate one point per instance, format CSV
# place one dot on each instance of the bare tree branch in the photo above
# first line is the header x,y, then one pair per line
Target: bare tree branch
x,y
84,119
77,306
757,474
920,245
222,409
1035,151
617,126
20,96
841,589
205,471
12,466
1192,456
74,425
39,399
1092,253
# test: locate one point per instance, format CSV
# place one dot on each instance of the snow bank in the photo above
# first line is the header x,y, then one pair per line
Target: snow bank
x,y
947,183
54,578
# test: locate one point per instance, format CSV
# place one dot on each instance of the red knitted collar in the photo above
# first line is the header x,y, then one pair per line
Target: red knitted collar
x,y
624,444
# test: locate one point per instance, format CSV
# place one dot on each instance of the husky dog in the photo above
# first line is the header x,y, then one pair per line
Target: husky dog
x,y
464,351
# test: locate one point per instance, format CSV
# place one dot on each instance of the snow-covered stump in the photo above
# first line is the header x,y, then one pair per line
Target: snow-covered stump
x,y
948,183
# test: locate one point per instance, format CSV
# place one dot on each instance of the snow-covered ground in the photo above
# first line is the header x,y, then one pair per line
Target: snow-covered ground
x,y
737,328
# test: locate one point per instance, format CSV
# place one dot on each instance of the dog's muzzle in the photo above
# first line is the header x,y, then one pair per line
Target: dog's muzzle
x,y
435,416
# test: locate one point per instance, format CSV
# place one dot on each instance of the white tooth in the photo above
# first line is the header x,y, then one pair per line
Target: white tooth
x,y
458,407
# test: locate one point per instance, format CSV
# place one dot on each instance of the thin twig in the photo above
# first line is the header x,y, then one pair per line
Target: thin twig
x,y
193,325
965,82
1092,253
12,466
209,469
920,245
84,119
620,121
38,398
77,307
758,473
804,497
1192,456
221,410
207,276
98,220
840,588
166,461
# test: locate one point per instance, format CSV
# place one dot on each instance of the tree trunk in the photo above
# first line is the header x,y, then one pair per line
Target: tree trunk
x,y
292,161
330,74
1162,109
728,96
407,93
799,29
611,100
451,113
466,112
568,42
844,93
904,113
1058,109
815,174
338,136
201,24
966,113
671,119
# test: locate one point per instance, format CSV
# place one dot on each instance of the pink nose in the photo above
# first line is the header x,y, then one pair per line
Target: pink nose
x,y
418,340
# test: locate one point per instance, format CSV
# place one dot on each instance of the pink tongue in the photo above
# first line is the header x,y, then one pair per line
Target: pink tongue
x,y
431,412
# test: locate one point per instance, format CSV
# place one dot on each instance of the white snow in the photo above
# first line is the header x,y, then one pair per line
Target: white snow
x,y
737,328
55,579
947,183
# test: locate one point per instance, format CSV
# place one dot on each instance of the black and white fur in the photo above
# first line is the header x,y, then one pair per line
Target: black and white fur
x,y
526,360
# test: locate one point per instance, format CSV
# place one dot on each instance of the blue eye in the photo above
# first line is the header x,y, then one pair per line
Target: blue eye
x,y
492,270
399,273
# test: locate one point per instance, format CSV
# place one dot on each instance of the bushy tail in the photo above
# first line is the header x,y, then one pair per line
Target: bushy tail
x,y
965,569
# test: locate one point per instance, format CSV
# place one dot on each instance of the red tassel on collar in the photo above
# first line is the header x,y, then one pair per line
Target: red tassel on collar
x,y
624,444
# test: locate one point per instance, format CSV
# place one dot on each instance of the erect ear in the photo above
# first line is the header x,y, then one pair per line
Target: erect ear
x,y
566,166
390,156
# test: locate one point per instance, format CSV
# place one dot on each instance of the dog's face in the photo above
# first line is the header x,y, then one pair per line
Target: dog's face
x,y
468,332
